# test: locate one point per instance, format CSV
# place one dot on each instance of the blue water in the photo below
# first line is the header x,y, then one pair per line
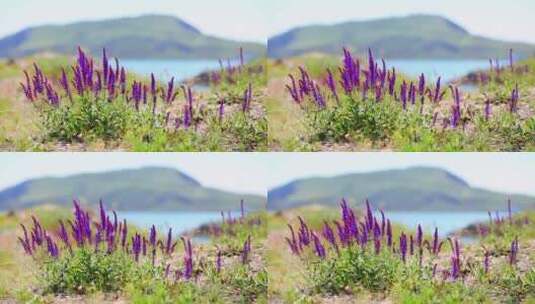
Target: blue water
x,y
165,69
432,69
447,222
179,221
183,69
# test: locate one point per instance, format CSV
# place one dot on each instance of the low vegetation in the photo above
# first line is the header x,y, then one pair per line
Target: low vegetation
x,y
364,257
360,105
101,257
98,105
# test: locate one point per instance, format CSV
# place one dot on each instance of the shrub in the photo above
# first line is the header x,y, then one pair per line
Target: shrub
x,y
86,271
354,268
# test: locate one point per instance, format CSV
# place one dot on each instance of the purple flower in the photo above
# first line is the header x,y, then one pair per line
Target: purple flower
x,y
221,110
437,96
246,251
391,82
292,242
436,244
318,97
332,84
247,98
388,233
170,96
421,85
515,96
328,234
513,253
52,247
486,262
303,233
455,259
105,65
136,246
488,109
65,84
169,245
403,94
294,91
218,261
456,108
403,246
188,258
318,246
419,236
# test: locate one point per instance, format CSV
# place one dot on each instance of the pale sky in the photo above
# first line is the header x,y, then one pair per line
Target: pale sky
x,y
256,172
256,20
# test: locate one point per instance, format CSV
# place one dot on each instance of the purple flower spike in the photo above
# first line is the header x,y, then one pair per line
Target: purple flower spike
x,y
328,234
332,85
218,262
188,258
488,110
247,98
437,96
515,96
403,246
513,254
246,251
294,91
389,233
318,246
221,111
455,259
293,243
486,262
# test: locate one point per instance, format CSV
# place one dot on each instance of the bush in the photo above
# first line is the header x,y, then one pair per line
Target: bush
x,y
366,118
354,268
245,133
86,271
248,285
85,119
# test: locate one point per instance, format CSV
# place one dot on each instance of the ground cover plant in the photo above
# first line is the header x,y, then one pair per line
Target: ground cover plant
x,y
98,103
364,104
364,257
99,256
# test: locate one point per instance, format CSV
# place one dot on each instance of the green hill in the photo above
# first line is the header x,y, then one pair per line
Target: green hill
x,y
155,189
145,37
411,37
413,189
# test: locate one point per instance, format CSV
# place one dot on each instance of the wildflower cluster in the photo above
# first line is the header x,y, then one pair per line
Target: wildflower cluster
x,y
371,238
109,236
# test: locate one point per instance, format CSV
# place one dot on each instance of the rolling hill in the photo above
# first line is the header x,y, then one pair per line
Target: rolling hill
x,y
155,189
410,37
144,37
414,189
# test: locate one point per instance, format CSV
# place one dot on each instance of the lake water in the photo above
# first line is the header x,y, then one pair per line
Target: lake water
x,y
179,221
165,69
183,69
447,222
432,69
